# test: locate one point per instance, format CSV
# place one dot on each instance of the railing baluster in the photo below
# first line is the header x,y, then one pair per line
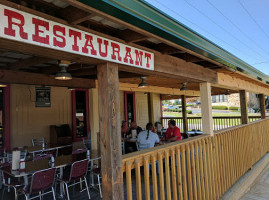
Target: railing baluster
x,y
146,178
179,174
198,171
173,174
161,178
129,180
167,175
138,180
206,172
184,172
190,187
154,177
193,171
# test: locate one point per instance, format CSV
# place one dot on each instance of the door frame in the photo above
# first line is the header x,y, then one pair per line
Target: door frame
x,y
125,105
74,124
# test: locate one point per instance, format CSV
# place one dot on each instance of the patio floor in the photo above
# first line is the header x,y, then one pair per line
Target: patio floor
x,y
74,193
259,191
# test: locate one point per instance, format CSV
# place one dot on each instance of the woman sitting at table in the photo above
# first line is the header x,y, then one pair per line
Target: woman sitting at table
x,y
147,139
124,129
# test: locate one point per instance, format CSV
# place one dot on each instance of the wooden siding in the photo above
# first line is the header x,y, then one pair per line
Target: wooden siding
x,y
28,121
141,105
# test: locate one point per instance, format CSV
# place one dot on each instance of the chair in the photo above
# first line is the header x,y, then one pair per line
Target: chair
x,y
41,181
38,142
22,156
78,173
10,182
96,171
87,143
42,156
61,135
77,151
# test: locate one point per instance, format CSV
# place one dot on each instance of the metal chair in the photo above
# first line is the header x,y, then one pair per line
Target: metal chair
x,y
96,171
41,181
38,142
10,182
78,173
87,143
42,156
77,151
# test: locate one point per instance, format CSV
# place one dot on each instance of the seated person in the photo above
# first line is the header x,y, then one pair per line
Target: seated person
x,y
124,129
173,132
134,126
147,139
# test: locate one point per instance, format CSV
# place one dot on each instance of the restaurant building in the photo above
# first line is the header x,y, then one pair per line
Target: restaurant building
x,y
109,47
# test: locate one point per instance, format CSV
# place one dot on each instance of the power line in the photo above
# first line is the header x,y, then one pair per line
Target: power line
x,y
221,27
235,26
253,19
203,29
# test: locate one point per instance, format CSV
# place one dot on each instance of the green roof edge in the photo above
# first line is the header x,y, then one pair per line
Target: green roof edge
x,y
143,15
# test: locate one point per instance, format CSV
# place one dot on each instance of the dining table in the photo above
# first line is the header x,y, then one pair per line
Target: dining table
x,y
59,163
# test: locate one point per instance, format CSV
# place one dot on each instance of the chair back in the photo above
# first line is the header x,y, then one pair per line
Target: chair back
x,y
38,142
42,180
51,151
77,151
42,156
87,143
22,156
78,170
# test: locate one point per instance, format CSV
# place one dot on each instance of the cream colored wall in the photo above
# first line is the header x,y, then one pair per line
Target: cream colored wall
x,y
141,106
156,107
94,117
28,121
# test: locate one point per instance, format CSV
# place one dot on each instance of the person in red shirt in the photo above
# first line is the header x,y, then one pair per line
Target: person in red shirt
x,y
173,132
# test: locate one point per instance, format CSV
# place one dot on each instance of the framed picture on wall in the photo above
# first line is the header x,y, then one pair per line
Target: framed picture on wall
x,y
42,97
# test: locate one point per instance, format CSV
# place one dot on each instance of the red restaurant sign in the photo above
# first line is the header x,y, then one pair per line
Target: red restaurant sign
x,y
28,28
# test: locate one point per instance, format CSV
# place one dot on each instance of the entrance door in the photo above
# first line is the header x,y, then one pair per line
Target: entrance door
x,y
129,103
80,114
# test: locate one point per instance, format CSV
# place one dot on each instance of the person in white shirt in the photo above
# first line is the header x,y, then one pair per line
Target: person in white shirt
x,y
147,139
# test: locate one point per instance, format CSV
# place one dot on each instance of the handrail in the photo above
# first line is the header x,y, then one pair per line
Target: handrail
x,y
203,167
219,122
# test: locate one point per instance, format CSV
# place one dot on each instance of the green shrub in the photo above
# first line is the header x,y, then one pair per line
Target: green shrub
x,y
220,107
189,112
234,108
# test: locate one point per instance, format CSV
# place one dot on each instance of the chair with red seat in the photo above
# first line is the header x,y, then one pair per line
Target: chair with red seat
x,y
96,171
41,182
78,173
10,182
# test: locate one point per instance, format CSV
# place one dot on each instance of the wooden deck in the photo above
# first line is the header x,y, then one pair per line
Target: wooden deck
x,y
260,190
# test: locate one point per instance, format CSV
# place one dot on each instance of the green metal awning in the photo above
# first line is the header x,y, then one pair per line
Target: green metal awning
x,y
143,15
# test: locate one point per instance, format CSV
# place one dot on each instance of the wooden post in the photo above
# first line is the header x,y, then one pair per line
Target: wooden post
x,y
184,114
110,134
150,108
262,105
206,108
243,106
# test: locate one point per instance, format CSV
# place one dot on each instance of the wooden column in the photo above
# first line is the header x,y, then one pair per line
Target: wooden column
x,y
243,106
110,132
206,108
184,114
262,105
150,108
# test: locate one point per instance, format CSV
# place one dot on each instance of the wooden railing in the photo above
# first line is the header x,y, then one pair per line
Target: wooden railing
x,y
218,122
202,168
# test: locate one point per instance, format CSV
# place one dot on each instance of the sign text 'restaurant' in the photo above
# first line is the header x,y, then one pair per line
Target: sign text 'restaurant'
x,y
25,27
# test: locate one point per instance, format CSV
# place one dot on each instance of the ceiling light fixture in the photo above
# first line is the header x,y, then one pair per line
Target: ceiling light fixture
x,y
63,74
3,85
143,83
227,92
184,87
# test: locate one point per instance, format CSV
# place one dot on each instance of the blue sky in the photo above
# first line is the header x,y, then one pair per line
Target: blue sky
x,y
239,26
